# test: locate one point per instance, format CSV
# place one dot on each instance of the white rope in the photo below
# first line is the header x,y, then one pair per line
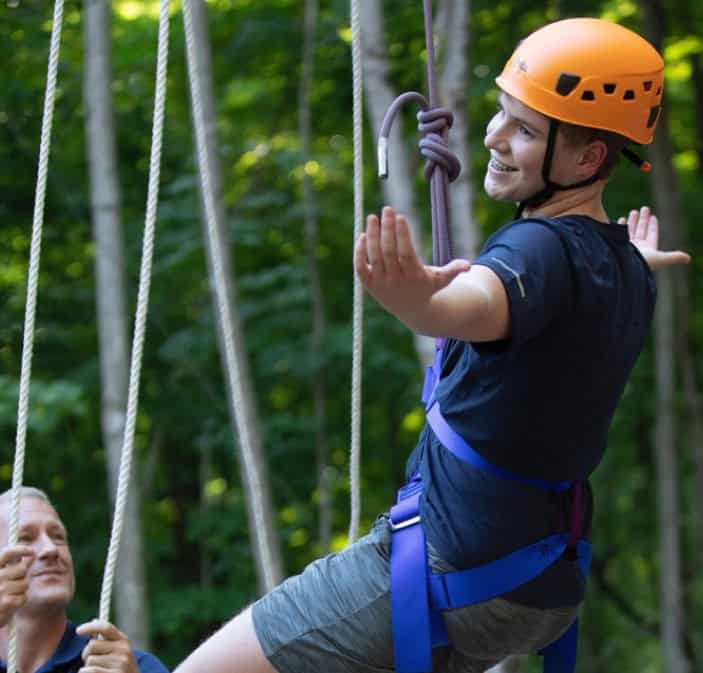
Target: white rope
x,y
142,306
358,315
31,304
232,365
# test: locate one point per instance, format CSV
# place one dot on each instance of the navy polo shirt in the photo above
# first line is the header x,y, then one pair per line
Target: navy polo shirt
x,y
540,403
67,658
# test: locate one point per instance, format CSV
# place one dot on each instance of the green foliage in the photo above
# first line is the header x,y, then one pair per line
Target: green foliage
x,y
199,563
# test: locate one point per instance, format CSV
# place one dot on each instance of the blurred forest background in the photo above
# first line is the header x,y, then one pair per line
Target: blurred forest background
x,y
279,98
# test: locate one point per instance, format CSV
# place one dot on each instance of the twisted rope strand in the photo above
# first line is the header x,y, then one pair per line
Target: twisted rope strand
x,y
439,181
31,304
358,302
141,314
442,166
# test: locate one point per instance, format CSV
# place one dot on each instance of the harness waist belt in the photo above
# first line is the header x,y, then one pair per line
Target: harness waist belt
x,y
418,596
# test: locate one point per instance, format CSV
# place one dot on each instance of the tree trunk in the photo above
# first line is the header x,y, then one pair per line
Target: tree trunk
x,y
244,418
694,405
130,596
691,387
398,187
311,230
697,77
670,589
671,286
453,22
669,208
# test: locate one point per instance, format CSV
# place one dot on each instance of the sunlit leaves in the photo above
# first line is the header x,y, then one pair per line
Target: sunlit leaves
x,y
198,552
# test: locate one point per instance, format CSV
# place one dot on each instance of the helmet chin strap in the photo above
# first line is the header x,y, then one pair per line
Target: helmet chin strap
x,y
550,187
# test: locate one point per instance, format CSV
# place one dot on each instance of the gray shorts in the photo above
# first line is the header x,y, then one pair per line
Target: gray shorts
x,y
335,617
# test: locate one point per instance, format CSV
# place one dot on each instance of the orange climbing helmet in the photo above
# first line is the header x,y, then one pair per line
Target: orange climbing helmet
x,y
589,72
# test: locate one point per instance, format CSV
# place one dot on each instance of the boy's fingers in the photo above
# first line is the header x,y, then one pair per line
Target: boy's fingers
x,y
361,262
373,242
653,231
642,223
457,266
389,247
678,257
407,256
632,223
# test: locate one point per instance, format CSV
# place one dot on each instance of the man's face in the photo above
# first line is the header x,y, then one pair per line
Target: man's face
x,y
51,577
517,139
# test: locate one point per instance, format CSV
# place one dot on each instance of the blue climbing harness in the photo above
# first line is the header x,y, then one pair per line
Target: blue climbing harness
x,y
418,596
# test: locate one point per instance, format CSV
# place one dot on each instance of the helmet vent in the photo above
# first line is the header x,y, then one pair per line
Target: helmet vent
x,y
629,95
588,95
648,85
567,83
609,88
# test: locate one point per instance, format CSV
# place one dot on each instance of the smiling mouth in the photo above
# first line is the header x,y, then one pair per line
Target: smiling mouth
x,y
49,573
500,166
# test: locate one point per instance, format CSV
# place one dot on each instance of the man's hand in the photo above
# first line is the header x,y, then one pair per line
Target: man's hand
x,y
108,650
392,272
14,564
643,228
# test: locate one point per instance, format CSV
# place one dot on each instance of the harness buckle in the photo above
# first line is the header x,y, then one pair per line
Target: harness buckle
x,y
405,524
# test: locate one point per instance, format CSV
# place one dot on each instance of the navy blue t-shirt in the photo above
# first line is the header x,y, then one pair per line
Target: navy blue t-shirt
x,y
540,403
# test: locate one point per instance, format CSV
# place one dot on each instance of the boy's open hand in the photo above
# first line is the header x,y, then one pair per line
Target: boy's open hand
x,y
391,270
643,228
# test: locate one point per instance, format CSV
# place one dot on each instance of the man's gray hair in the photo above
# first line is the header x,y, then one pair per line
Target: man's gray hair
x,y
25,492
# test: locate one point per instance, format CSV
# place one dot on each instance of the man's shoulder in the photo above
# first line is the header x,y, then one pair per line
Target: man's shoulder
x,y
149,663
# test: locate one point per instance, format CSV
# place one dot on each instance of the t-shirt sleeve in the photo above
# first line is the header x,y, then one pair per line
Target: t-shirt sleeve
x,y
530,260
148,663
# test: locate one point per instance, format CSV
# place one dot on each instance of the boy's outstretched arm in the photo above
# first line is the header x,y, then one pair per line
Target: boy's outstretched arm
x,y
455,300
643,227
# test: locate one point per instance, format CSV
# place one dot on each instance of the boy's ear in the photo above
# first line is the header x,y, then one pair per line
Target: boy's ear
x,y
593,156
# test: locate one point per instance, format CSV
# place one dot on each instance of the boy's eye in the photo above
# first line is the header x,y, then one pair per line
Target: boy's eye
x,y
525,131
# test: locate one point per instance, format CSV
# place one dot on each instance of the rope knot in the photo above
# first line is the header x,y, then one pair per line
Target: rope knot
x,y
434,125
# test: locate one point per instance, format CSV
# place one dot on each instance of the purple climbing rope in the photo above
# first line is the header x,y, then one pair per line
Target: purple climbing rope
x,y
441,165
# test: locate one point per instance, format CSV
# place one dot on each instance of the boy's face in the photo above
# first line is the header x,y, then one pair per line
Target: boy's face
x,y
517,139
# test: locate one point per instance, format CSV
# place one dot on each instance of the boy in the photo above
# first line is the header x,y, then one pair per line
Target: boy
x,y
539,336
